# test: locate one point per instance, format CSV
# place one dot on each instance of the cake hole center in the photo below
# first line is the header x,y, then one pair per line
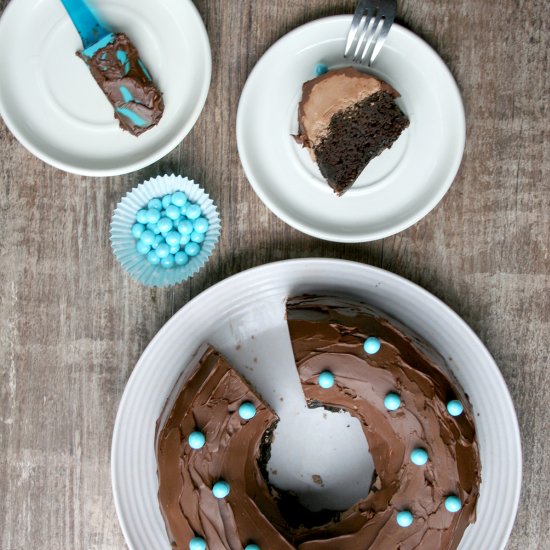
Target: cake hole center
x,y
320,459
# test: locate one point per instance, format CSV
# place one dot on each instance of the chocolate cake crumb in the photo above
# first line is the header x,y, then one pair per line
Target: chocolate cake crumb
x,y
356,136
318,480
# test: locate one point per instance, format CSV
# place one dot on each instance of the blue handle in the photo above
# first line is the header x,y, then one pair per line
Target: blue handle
x,y
87,24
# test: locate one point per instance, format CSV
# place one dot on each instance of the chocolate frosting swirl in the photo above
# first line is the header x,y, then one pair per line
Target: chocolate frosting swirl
x,y
326,333
209,402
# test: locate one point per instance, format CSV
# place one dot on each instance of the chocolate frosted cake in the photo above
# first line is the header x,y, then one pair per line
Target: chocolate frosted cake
x,y
346,118
213,443
230,451
426,460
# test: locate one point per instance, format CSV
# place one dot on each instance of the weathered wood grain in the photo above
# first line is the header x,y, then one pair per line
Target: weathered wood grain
x,y
72,324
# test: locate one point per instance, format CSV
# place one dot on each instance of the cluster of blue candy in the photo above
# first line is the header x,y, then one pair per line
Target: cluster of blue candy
x,y
220,489
392,402
170,230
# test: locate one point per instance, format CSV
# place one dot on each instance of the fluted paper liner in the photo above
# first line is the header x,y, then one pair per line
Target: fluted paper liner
x,y
124,243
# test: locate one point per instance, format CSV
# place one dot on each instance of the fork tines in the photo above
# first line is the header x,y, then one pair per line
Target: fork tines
x,y
369,29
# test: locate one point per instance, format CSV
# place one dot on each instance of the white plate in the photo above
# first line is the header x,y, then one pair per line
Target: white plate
x,y
243,316
396,189
53,106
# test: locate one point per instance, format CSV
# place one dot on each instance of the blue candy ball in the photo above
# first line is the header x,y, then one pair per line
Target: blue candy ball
x,y
251,547
184,239
196,440
419,457
455,408
166,201
247,410
220,489
142,216
147,237
193,211
200,225
168,261
163,250
453,504
392,401
165,225
320,69
153,257
326,379
174,249
179,198
192,249
372,345
183,209
159,239
185,227
404,518
197,237
154,204
142,248
154,228
173,212
137,230
197,543
153,215
181,258
173,238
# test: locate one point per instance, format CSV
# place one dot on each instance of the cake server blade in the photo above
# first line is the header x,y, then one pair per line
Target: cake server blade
x,y
93,33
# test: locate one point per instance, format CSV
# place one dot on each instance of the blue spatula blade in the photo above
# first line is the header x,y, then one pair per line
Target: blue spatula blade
x,y
91,30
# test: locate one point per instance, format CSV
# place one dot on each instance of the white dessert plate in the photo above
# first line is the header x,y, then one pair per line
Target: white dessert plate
x,y
243,317
397,188
53,106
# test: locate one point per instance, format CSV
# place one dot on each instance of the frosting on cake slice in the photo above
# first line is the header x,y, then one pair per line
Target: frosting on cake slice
x,y
213,402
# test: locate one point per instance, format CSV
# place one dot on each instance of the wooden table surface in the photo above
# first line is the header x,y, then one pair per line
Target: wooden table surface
x,y
73,325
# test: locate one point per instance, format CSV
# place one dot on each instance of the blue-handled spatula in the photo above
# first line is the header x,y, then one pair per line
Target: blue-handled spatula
x,y
118,70
93,33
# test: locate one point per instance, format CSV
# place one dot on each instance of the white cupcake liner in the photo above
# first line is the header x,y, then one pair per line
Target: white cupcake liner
x,y
124,243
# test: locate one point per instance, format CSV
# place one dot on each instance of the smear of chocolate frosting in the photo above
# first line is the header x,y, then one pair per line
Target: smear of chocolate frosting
x,y
128,85
326,333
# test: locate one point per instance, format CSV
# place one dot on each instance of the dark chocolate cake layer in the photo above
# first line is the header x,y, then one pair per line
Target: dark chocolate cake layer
x,y
357,135
346,118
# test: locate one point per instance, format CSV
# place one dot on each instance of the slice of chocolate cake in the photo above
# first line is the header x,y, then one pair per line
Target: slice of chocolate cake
x,y
346,118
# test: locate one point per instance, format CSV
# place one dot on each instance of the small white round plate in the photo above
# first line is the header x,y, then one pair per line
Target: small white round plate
x,y
243,317
397,188
53,106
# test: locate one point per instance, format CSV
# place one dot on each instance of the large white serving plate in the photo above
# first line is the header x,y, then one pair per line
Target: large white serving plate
x,y
397,188
243,316
52,105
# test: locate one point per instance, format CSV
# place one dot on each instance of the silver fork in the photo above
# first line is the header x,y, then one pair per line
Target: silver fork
x,y
369,29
